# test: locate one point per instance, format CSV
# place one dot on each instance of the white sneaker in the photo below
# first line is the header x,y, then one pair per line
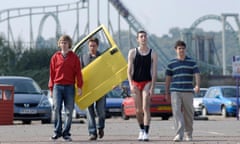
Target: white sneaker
x,y
188,138
177,138
140,135
145,137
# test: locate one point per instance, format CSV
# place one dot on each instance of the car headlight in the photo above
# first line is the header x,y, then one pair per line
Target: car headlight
x,y
44,103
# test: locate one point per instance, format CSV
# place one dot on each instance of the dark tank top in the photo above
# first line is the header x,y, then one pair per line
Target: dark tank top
x,y
142,67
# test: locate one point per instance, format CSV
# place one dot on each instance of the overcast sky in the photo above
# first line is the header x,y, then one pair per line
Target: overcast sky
x,y
158,16
161,15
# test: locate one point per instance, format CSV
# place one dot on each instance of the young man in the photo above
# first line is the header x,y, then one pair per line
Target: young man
x,y
142,74
65,71
99,104
180,73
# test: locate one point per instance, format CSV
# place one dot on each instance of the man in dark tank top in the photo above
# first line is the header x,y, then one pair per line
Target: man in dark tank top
x,y
142,74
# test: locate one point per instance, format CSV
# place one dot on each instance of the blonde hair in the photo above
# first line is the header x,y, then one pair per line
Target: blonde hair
x,y
65,38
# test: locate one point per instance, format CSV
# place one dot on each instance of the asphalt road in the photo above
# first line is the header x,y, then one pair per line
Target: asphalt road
x,y
215,130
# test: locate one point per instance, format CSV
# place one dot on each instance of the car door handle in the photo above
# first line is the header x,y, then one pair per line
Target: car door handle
x,y
113,51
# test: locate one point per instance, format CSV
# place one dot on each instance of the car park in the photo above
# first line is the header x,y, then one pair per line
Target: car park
x,y
197,101
159,105
220,100
30,103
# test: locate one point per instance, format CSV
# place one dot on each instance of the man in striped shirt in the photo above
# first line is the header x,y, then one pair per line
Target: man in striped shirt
x,y
180,73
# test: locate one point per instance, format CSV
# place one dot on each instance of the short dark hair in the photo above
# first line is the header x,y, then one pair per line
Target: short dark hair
x,y
93,39
141,31
180,43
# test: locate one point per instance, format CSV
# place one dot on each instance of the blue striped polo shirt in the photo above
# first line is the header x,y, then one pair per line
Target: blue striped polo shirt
x,y
182,73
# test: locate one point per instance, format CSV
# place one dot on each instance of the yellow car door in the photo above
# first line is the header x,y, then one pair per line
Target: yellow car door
x,y
105,72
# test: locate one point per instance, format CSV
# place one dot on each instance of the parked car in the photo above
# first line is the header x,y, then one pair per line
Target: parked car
x,y
220,100
77,112
197,101
159,105
114,102
29,101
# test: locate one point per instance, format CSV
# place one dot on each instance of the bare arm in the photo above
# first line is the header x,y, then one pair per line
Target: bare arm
x,y
131,55
167,87
197,86
154,71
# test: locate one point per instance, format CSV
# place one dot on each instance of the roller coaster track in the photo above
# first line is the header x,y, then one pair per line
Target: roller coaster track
x,y
55,10
227,27
50,10
136,25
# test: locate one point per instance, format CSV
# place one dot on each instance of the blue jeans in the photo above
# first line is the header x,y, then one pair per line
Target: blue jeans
x,y
100,113
63,94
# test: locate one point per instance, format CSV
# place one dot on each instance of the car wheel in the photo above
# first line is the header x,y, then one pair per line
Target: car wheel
x,y
165,117
81,121
108,115
124,115
238,114
204,111
47,121
224,112
26,121
77,116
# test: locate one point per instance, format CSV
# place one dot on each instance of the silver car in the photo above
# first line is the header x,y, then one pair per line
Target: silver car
x,y
197,101
29,101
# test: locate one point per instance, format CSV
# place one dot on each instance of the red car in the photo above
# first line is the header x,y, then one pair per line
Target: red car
x,y
159,105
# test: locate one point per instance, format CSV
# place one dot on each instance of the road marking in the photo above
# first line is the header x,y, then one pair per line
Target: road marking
x,y
215,133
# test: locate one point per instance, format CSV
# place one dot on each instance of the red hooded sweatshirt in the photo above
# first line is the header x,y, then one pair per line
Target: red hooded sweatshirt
x,y
65,70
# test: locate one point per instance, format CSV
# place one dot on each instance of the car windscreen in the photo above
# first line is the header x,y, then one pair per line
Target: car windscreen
x,y
115,93
200,94
103,46
23,86
159,89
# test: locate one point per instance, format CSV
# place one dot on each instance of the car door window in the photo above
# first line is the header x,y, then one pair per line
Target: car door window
x,y
229,92
212,93
217,93
104,44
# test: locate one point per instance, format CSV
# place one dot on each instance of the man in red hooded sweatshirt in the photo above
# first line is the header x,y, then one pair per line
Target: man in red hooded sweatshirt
x,y
65,71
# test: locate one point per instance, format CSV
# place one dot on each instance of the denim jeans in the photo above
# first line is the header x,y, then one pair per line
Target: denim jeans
x,y
63,94
99,107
